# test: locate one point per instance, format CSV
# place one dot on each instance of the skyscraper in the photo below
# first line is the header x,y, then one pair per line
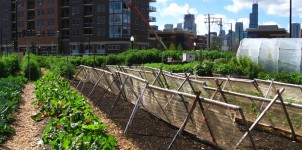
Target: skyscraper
x,y
254,16
179,26
189,23
169,27
296,27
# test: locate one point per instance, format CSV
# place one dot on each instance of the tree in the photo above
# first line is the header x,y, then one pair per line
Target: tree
x,y
81,48
172,46
179,47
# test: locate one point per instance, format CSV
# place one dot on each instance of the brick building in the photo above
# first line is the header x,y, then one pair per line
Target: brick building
x,y
73,26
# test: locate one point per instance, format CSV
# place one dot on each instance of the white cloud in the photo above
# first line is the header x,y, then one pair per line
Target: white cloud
x,y
275,7
238,5
163,2
177,11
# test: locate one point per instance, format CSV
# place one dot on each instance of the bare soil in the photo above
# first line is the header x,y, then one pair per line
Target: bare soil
x,y
28,132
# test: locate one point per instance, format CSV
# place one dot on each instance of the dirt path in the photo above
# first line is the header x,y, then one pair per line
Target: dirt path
x,y
28,132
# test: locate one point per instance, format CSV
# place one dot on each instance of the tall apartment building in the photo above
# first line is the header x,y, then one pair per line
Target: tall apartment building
x,y
74,26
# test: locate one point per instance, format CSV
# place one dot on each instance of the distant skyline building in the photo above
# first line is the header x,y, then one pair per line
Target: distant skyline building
x,y
179,26
239,27
254,16
296,27
169,26
154,27
189,23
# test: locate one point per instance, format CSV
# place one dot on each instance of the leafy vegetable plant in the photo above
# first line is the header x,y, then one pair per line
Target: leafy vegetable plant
x,y
73,125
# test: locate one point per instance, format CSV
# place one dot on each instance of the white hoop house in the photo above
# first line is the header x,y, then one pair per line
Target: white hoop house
x,y
276,55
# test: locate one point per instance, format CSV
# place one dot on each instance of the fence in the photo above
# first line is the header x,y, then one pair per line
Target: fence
x,y
187,102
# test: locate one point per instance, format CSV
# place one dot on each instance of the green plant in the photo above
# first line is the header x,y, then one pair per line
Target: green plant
x,y
33,70
10,97
204,69
172,46
73,125
64,69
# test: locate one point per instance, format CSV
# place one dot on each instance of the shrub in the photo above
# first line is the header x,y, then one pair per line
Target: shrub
x,y
64,69
204,69
3,71
11,64
33,70
223,69
114,59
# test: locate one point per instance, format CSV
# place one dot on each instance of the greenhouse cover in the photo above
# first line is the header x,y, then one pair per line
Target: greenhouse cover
x,y
276,55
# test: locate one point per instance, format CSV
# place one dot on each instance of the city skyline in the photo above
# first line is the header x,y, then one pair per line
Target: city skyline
x,y
232,11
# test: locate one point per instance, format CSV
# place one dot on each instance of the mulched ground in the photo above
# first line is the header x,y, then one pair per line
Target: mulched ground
x,y
148,132
28,132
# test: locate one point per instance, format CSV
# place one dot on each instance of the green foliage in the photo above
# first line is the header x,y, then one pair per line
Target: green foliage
x,y
33,69
204,69
294,78
141,56
114,59
9,65
176,55
223,69
179,47
63,68
212,55
73,125
10,97
172,46
178,68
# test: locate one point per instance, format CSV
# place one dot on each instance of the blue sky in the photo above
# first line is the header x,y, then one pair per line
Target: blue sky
x,y
275,12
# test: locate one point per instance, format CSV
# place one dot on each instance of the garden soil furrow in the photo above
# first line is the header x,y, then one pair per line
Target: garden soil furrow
x,y
28,132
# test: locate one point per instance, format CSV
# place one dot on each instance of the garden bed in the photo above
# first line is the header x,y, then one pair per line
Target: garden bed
x,y
149,132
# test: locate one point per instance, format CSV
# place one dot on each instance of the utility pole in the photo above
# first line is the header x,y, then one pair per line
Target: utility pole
x,y
290,18
209,29
219,22
231,35
1,42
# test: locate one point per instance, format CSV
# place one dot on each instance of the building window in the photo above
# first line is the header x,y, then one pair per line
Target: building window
x,y
40,22
98,8
119,20
75,10
50,11
99,32
51,1
103,31
98,19
103,8
50,22
40,12
103,19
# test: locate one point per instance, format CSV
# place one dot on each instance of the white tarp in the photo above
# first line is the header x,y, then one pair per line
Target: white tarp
x,y
276,55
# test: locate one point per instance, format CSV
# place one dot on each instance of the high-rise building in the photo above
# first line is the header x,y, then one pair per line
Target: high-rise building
x,y
254,16
168,27
154,27
239,27
296,27
179,26
189,23
66,26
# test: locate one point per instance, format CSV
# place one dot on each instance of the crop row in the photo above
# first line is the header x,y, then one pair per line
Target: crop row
x,y
10,97
73,125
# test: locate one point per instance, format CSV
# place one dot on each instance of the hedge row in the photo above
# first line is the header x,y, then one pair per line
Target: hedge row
x,y
9,65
